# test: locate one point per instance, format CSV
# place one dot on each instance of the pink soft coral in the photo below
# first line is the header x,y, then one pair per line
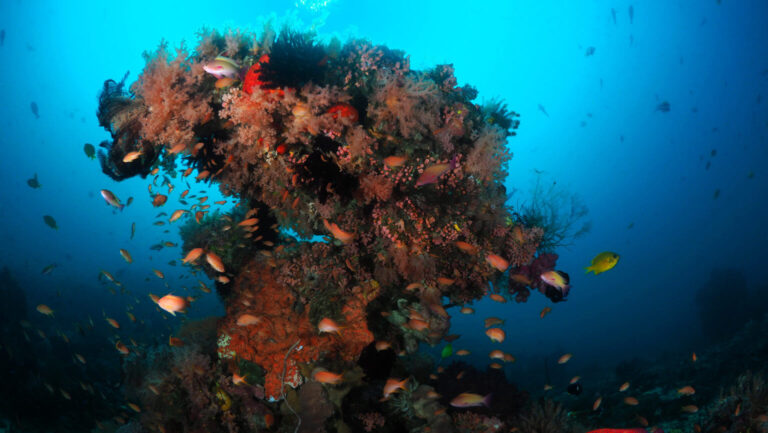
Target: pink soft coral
x,y
169,90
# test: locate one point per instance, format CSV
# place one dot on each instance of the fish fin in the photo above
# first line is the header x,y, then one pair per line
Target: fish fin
x,y
487,400
588,269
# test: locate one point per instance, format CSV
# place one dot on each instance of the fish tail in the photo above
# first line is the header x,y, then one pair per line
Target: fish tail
x,y
589,269
121,207
487,400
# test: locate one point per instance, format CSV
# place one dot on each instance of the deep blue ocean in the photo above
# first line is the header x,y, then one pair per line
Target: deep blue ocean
x,y
654,122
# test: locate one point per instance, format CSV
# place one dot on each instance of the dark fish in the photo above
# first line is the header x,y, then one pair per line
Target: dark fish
x,y
575,388
33,107
590,51
50,222
129,201
632,224
716,194
709,164
713,152
663,107
89,150
34,183
543,110
133,229
613,14
156,247
631,13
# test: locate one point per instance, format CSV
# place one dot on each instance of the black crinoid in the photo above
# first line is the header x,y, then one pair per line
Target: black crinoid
x,y
294,61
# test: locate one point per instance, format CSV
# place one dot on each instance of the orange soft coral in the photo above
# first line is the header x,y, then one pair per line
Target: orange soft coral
x,y
276,335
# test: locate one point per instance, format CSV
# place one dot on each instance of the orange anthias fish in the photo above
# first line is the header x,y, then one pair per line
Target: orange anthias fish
x,y
327,377
248,222
545,311
466,247
467,399
193,255
431,173
328,325
172,304
496,334
493,321
686,390
238,380
597,402
624,386
44,309
631,401
690,408
122,348
383,345
557,279
126,255
111,198
113,323
175,342
132,156
498,298
393,385
497,262
177,214
338,233
565,358
417,324
214,261
248,320
159,200
496,354
395,161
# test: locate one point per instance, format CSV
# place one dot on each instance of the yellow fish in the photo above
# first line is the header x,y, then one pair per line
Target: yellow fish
x,y
603,262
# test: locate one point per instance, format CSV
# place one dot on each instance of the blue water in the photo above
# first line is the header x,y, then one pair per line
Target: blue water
x,y
603,140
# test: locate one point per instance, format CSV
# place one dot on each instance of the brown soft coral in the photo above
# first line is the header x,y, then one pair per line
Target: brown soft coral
x,y
169,91
405,104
